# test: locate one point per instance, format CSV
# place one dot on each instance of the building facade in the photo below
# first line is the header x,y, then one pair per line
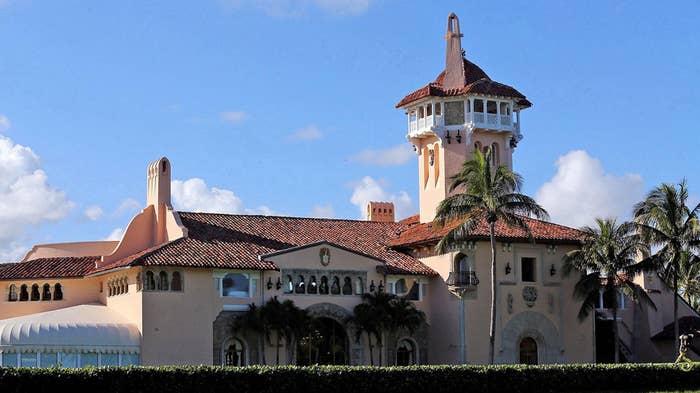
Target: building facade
x,y
168,291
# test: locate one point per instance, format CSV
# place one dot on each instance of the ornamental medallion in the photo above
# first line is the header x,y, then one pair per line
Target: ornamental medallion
x,y
325,256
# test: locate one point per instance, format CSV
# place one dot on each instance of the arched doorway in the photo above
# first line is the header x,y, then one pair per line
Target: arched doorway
x,y
327,343
528,351
405,353
234,353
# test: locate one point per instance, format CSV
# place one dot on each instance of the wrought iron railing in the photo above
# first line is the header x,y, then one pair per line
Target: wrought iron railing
x,y
463,279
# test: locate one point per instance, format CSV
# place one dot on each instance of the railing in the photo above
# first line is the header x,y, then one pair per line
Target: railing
x,y
462,279
478,119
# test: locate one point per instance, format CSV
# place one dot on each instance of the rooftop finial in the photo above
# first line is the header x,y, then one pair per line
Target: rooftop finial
x,y
454,67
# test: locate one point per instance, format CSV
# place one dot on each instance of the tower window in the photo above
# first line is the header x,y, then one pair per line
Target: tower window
x,y
35,292
527,269
46,292
479,106
429,110
438,108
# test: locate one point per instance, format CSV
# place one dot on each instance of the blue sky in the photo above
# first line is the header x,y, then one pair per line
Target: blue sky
x,y
287,107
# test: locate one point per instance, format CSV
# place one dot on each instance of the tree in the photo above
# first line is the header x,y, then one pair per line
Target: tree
x,y
666,222
366,321
689,277
607,261
379,303
273,312
253,321
403,314
490,193
297,323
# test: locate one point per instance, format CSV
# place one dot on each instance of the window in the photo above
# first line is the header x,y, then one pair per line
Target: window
x,y
289,288
528,269
335,287
347,286
323,288
35,292
479,106
49,359
359,288
429,110
605,301
109,359
46,292
176,284
301,286
438,108
88,359
129,359
57,292
28,359
23,294
237,285
405,353
454,113
528,351
9,359
69,360
162,282
400,287
234,353
150,284
313,286
415,292
12,293
491,107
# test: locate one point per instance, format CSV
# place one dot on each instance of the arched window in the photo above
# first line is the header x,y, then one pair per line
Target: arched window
x,y
12,293
313,285
289,288
405,353
359,288
162,283
347,286
150,284
23,293
495,155
335,286
46,292
400,287
176,283
234,353
461,263
323,288
237,285
35,293
528,351
301,286
57,292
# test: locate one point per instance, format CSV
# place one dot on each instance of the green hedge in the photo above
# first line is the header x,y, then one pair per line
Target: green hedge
x,y
341,379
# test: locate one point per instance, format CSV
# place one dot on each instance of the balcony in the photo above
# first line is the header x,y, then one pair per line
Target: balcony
x,y
435,123
464,280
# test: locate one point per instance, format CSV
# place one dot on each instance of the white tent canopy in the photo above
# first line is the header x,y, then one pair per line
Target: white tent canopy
x,y
83,328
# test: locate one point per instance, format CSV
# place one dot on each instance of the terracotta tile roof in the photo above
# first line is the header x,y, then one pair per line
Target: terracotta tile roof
x,y
475,82
417,233
63,267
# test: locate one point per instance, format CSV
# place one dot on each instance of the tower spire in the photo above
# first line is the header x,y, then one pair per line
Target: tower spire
x,y
454,65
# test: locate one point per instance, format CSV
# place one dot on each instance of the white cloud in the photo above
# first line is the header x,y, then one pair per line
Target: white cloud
x,y
194,195
308,133
368,189
582,190
26,198
323,211
94,212
128,205
392,156
116,234
234,117
296,8
4,121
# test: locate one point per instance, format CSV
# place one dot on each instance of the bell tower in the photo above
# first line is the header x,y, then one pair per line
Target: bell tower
x,y
460,111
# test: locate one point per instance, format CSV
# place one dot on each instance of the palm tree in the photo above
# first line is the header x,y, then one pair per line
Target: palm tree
x,y
689,277
485,192
253,321
366,320
667,223
380,304
607,263
273,312
297,323
403,314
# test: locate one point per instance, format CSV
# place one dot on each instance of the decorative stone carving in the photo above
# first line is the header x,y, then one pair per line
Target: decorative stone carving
x,y
530,295
325,256
510,303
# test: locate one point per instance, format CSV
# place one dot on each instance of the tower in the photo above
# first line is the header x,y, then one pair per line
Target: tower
x,y
460,111
158,195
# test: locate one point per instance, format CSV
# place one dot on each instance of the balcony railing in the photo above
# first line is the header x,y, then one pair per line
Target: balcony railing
x,y
466,279
476,119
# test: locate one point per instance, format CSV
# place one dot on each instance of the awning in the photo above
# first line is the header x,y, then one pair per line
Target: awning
x,y
83,328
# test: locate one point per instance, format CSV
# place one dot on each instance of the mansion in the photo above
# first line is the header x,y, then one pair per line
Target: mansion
x,y
167,292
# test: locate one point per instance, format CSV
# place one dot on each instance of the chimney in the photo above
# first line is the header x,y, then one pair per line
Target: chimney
x,y
380,211
454,64
158,195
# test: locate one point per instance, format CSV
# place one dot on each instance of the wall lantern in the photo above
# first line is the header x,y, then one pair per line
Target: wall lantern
x,y
269,283
448,137
552,270
381,286
458,137
279,283
372,287
508,268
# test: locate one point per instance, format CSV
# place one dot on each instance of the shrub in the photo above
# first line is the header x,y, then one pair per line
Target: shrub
x,y
341,379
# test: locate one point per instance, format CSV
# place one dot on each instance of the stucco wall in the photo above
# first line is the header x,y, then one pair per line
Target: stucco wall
x,y
75,292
